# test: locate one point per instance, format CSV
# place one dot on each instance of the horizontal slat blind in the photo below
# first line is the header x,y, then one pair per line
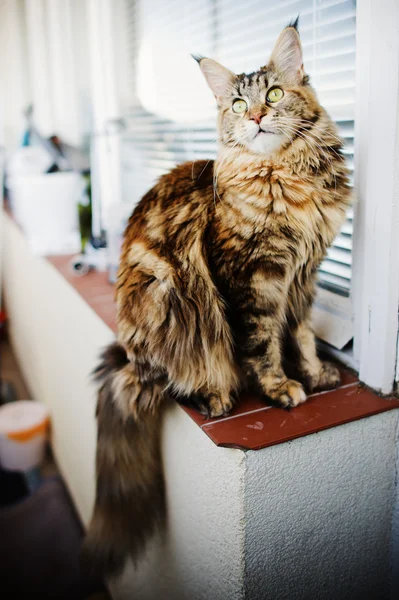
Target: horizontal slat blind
x,y
172,117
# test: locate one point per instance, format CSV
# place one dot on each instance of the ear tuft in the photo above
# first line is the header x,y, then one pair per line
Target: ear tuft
x,y
287,53
294,24
197,57
219,79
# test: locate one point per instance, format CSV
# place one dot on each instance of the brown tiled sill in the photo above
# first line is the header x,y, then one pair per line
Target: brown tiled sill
x,y
94,288
251,425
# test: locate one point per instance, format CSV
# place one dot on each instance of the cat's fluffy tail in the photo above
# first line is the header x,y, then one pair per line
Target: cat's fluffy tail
x,y
130,501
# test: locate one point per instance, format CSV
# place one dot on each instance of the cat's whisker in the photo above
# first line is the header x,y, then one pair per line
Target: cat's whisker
x,y
313,131
317,148
314,127
227,151
206,164
215,141
309,140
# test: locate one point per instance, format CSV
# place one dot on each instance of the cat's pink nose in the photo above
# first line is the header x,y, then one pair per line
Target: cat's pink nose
x,y
257,117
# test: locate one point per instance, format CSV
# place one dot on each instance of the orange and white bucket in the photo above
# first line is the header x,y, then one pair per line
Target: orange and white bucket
x,y
24,428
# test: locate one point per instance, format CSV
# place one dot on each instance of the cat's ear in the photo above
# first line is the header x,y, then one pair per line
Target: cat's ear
x,y
287,54
220,80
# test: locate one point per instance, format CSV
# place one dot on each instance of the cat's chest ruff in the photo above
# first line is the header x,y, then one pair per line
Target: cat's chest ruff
x,y
264,209
277,188
276,218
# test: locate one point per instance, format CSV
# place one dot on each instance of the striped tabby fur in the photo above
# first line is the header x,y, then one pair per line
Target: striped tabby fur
x,y
215,286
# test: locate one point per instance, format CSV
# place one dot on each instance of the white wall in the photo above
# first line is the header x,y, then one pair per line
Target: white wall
x,y
57,339
395,531
202,557
319,514
307,519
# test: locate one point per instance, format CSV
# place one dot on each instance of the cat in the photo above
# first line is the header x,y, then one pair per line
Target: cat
x,y
215,286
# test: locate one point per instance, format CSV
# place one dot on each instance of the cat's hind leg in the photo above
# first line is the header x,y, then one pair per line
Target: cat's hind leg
x,y
318,375
210,404
176,323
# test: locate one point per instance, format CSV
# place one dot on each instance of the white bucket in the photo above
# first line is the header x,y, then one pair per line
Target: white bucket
x,y
23,434
46,208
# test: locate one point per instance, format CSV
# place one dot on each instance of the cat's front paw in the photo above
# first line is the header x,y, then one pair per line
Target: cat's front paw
x,y
288,393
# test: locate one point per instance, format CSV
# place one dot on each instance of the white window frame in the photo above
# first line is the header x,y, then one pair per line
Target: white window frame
x,y
375,285
372,309
370,315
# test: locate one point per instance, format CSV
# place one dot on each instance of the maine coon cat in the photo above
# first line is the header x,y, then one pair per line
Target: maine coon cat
x,y
215,286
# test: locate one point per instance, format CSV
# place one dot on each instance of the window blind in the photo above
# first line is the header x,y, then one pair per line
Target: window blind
x,y
161,132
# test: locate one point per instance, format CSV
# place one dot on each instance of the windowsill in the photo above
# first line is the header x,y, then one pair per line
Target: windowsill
x,y
251,425
94,288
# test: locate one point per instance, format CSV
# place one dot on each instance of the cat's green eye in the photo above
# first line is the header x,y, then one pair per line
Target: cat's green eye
x,y
275,94
239,106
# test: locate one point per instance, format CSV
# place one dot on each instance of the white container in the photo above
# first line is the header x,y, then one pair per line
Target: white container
x,y
28,160
23,434
46,208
